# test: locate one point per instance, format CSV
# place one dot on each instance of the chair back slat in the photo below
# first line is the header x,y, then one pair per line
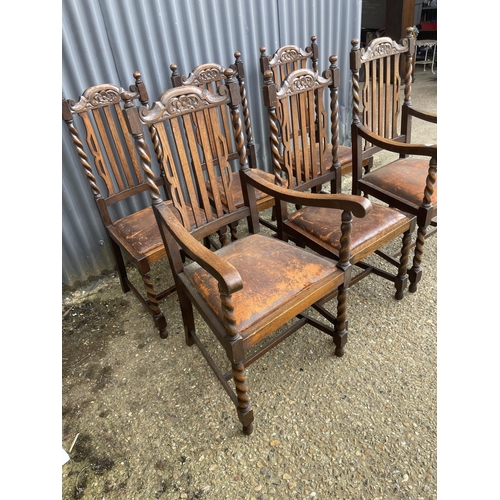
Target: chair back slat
x,y
104,125
296,151
183,134
305,146
289,58
92,139
378,69
174,186
396,91
130,151
206,163
210,76
194,148
104,144
387,98
301,109
224,144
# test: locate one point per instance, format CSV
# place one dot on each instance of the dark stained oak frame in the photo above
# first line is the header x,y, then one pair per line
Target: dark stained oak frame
x,y
251,287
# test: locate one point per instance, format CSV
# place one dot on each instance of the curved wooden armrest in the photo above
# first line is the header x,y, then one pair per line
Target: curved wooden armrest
x,y
395,146
358,205
423,115
225,273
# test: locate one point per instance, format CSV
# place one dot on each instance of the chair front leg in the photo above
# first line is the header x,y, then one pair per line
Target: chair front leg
x,y
415,272
340,334
245,411
424,219
402,277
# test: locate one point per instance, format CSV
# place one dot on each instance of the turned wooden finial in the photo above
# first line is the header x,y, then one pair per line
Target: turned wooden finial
x,y
335,75
354,42
140,87
264,60
175,78
269,89
232,86
238,66
315,53
138,79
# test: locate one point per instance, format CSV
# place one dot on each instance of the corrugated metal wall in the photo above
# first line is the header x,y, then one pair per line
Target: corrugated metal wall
x,y
107,40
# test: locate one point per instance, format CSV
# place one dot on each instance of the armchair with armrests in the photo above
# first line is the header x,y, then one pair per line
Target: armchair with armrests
x,y
382,122
253,292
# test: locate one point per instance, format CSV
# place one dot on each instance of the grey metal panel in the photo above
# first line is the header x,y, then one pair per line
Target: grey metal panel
x,y
107,40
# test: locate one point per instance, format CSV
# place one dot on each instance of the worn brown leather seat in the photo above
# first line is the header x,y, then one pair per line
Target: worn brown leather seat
x,y
383,223
404,180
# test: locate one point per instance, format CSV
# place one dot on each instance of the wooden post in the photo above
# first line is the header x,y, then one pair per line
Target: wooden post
x,y
399,15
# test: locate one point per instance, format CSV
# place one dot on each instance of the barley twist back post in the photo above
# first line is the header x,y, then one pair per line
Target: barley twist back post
x,y
355,63
234,105
73,132
136,129
270,101
334,109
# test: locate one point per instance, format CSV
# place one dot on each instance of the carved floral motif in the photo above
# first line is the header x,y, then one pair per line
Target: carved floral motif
x,y
302,82
208,75
97,97
183,103
380,48
177,101
302,79
289,56
204,75
107,96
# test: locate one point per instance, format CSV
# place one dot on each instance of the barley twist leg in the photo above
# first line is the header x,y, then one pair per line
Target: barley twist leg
x,y
340,335
245,411
402,277
416,271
